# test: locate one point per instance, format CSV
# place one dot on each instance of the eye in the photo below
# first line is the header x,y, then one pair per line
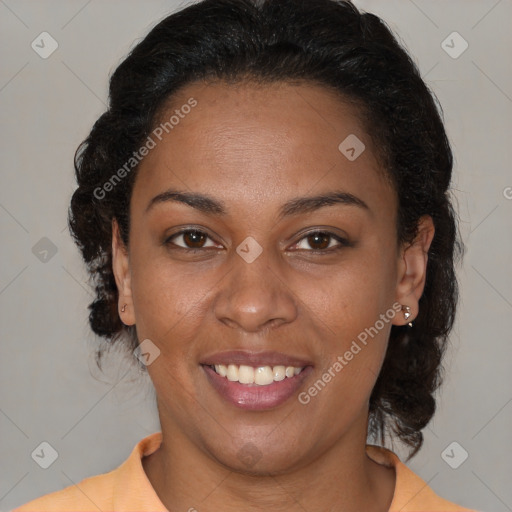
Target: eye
x,y
318,241
322,241
191,239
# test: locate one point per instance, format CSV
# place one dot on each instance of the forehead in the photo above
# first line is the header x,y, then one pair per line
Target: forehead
x,y
253,144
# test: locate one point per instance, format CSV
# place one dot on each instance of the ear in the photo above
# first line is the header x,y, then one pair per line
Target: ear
x,y
121,268
412,269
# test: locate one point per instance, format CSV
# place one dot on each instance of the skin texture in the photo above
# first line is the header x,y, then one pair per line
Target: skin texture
x,y
253,148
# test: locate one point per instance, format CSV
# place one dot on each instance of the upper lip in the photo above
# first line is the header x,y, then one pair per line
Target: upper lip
x,y
256,359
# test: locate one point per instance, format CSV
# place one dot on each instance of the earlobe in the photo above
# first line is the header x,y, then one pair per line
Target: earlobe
x,y
121,269
413,270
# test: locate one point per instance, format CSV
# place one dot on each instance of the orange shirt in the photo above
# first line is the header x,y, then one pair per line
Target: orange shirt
x,y
127,488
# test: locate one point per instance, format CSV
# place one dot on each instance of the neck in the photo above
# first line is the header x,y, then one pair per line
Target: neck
x,y
342,479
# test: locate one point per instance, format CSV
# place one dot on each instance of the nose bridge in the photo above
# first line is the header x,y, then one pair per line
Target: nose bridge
x,y
254,295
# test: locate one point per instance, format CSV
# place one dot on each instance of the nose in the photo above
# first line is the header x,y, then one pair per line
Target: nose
x,y
255,296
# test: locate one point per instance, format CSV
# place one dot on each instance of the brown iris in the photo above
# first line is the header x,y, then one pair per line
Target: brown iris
x,y
194,239
314,238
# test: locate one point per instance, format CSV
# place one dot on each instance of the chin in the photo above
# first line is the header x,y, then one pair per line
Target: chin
x,y
258,458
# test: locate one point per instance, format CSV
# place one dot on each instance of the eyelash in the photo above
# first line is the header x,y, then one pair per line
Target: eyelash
x,y
342,241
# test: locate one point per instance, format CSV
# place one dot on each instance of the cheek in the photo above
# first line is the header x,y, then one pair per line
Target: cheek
x,y
350,297
353,350
167,297
352,313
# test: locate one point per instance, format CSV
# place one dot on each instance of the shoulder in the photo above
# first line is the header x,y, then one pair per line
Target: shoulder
x,y
91,493
123,488
412,493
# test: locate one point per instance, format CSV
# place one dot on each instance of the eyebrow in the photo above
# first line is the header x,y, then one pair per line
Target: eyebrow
x,y
295,206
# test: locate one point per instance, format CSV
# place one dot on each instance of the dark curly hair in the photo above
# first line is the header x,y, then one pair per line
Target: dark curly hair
x,y
326,42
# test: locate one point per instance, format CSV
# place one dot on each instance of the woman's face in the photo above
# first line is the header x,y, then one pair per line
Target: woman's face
x,y
257,287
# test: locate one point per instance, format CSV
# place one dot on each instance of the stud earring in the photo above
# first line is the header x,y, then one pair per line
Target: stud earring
x,y
123,309
407,313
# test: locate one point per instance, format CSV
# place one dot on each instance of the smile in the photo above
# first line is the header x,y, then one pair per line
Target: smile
x,y
261,375
277,384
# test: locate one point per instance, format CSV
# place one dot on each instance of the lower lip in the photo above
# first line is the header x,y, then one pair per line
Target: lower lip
x,y
253,396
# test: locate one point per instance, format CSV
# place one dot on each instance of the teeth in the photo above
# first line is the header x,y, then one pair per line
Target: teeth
x,y
279,373
246,375
232,373
221,370
262,375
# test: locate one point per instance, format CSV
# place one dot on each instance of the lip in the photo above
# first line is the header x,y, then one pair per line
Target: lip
x,y
252,396
250,358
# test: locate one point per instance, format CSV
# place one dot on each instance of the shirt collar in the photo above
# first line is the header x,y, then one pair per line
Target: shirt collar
x,y
133,490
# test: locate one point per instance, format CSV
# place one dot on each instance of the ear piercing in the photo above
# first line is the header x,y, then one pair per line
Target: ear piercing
x,y
407,313
123,309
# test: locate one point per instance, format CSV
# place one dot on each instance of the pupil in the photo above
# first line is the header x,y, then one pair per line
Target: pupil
x,y
313,239
194,239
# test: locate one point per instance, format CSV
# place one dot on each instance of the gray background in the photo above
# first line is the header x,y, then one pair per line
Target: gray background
x,y
50,388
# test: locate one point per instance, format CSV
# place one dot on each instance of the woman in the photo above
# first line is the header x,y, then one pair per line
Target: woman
x,y
264,209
